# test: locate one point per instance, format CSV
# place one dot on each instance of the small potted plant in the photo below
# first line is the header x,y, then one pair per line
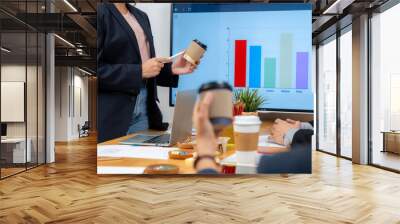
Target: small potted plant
x,y
245,102
251,100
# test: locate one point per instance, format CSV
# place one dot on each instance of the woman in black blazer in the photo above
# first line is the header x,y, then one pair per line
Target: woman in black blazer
x,y
124,80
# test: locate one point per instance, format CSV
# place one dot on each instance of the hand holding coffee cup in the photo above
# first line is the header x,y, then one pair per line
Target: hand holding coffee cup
x,y
182,67
221,107
187,61
206,140
195,52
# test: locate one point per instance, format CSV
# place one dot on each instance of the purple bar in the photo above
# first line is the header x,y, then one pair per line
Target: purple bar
x,y
302,70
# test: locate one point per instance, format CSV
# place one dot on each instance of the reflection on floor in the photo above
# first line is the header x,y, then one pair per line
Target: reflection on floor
x,y
70,191
387,159
12,169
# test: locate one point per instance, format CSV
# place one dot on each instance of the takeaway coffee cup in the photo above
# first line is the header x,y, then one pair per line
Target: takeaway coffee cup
x,y
246,132
221,107
194,52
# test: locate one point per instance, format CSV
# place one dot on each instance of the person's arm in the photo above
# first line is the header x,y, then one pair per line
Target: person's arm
x,y
123,77
207,166
114,77
166,77
297,160
306,125
302,136
207,171
296,126
206,140
119,77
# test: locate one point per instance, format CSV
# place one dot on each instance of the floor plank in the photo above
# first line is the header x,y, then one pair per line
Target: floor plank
x,y
69,191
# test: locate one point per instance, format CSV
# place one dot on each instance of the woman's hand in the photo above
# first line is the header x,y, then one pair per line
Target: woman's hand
x,y
151,68
205,137
295,124
181,66
280,128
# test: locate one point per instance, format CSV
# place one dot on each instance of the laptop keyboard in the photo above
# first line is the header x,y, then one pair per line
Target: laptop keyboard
x,y
159,139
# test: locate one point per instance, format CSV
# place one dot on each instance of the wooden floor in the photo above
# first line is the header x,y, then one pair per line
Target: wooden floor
x,y
386,159
69,191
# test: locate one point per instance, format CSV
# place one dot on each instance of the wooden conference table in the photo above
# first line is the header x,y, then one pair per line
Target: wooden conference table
x,y
185,166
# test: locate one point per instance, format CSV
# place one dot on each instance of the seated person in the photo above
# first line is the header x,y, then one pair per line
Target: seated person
x,y
284,132
296,160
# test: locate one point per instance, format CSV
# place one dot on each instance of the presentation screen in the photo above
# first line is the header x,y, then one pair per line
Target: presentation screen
x,y
250,45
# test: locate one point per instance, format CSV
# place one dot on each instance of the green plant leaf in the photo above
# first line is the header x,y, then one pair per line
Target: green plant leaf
x,y
250,97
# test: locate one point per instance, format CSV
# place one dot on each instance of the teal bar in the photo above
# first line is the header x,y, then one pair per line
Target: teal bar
x,y
286,61
269,72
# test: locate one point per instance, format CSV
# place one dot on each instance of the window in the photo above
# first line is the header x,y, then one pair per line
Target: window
x,y
22,87
346,94
385,89
327,96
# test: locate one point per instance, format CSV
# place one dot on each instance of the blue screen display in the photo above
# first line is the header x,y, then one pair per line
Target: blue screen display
x,y
250,45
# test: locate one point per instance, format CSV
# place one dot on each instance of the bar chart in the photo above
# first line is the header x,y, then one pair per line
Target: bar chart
x,y
255,67
267,50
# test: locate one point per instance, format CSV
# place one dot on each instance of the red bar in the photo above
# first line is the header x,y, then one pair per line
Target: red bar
x,y
240,63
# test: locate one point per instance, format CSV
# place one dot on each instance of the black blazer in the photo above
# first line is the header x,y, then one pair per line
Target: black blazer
x,y
119,73
297,160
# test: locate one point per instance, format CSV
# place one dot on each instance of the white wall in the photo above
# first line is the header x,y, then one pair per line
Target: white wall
x,y
80,103
160,17
71,87
61,103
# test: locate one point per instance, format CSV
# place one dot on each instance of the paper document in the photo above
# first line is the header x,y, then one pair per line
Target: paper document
x,y
263,141
266,142
128,151
119,170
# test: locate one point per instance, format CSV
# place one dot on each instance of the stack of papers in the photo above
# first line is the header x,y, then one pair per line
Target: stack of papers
x,y
128,151
266,142
119,170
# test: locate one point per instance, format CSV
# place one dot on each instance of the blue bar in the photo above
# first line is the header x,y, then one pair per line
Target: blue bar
x,y
255,67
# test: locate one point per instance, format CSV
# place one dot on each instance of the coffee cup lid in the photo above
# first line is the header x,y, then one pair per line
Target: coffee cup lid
x,y
200,44
214,85
247,120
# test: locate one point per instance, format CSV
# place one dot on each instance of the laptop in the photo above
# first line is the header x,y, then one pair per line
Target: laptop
x,y
181,125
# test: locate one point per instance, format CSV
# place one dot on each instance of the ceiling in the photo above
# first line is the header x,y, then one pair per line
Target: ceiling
x,y
75,22
76,25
